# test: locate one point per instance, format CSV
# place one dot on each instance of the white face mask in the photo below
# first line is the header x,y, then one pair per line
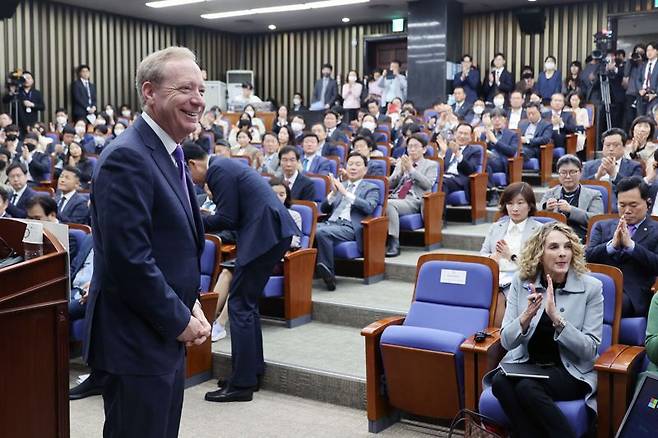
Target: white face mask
x,y
99,139
125,113
499,102
61,120
296,101
297,127
371,126
109,111
79,130
251,113
478,110
118,131
549,65
351,78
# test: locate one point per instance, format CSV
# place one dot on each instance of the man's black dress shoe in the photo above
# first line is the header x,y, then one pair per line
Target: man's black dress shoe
x,y
393,249
91,386
221,383
230,394
327,276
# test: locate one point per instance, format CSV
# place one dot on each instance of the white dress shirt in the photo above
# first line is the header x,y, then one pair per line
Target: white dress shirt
x,y
346,212
514,239
168,142
515,118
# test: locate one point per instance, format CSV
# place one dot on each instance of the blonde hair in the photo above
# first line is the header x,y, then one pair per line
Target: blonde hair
x,y
531,256
152,68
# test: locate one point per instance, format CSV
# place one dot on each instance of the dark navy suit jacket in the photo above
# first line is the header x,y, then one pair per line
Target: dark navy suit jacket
x,y
471,84
303,188
19,210
543,132
148,240
506,86
82,253
507,145
626,168
328,148
559,136
471,160
81,98
640,266
40,167
75,211
464,112
246,203
319,165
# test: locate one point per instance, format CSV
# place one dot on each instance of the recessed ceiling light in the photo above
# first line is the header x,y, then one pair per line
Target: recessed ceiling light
x,y
345,20
271,27
283,8
169,3
532,0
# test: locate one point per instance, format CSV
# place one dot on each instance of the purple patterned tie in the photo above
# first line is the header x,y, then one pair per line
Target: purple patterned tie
x,y
631,229
180,162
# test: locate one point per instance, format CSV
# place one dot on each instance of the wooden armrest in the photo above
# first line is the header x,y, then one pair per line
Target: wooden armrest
x,y
515,169
433,206
208,301
571,144
478,195
374,246
377,327
479,359
620,359
469,345
304,252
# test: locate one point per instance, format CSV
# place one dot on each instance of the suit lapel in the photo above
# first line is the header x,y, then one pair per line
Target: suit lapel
x,y
644,230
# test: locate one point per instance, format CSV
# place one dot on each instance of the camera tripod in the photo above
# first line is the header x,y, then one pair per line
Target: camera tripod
x,y
604,85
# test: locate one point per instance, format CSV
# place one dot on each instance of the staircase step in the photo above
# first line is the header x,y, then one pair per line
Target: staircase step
x,y
317,361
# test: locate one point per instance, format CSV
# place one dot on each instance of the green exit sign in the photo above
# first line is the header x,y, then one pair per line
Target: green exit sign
x,y
398,24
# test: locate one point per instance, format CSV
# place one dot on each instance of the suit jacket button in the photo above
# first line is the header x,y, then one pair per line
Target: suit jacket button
x,y
562,309
568,365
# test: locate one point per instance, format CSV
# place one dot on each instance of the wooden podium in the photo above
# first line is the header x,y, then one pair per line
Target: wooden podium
x,y
34,351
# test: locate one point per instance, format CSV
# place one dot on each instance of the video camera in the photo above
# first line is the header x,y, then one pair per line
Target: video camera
x,y
15,79
603,43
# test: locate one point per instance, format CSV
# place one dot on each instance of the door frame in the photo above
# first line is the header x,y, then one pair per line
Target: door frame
x,y
378,38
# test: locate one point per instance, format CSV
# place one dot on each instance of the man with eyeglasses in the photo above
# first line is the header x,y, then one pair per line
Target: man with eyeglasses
x,y
301,186
576,202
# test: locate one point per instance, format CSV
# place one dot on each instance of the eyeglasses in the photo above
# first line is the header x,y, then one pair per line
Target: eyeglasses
x,y
568,172
6,251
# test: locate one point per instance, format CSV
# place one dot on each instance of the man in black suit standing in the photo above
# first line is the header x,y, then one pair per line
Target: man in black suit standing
x,y
301,186
499,80
84,94
143,303
325,90
17,174
246,203
563,122
72,207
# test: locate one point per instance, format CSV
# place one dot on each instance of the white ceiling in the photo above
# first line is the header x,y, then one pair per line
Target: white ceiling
x,y
371,12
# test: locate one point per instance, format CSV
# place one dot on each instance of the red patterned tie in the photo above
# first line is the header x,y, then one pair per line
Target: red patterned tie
x,y
404,190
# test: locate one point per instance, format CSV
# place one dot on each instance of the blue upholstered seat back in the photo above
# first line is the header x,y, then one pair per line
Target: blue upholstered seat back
x,y
608,309
604,195
307,223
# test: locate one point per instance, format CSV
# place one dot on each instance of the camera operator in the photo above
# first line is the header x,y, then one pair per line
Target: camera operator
x,y
647,82
24,101
614,69
632,70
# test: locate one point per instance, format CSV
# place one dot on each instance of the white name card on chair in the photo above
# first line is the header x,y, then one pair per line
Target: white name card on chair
x,y
453,276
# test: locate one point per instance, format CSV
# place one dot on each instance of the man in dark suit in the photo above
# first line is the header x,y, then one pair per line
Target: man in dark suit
x,y
312,160
325,90
325,146
83,93
72,207
334,131
468,78
246,203
499,80
629,243
33,156
373,110
613,167
349,202
647,81
462,109
17,174
534,132
29,102
502,143
562,122
301,187
4,202
515,112
461,160
148,238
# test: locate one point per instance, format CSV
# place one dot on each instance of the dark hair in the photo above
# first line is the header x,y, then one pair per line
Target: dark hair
x,y
329,112
518,188
16,165
248,85
4,151
454,89
271,134
287,149
277,181
327,65
193,151
47,203
397,61
550,57
497,54
247,133
291,134
74,170
12,128
419,138
569,159
465,55
80,67
614,131
368,102
498,112
643,119
632,182
463,124
535,105
368,139
68,129
102,128
651,43
310,134
4,194
356,154
577,64
60,110
621,52
576,93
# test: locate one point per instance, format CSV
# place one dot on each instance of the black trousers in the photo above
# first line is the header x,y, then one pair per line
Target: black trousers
x,y
144,406
530,403
629,111
246,337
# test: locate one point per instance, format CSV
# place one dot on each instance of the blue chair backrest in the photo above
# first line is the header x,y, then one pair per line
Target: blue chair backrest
x,y
334,167
241,160
319,188
381,137
208,263
341,152
306,213
382,195
543,219
608,308
384,127
78,235
54,136
383,149
442,304
604,195
589,114
482,155
379,165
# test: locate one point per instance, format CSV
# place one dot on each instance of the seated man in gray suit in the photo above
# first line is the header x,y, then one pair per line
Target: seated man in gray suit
x,y
347,205
576,202
412,177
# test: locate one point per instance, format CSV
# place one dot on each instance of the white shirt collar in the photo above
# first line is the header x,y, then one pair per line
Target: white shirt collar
x,y
20,192
292,179
168,142
68,195
521,225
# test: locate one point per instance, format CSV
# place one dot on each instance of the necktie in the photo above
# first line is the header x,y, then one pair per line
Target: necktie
x,y
13,198
497,76
88,91
406,186
631,229
179,158
647,82
344,203
287,183
305,162
60,204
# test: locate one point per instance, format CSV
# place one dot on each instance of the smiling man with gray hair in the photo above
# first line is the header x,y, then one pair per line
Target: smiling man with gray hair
x,y
148,238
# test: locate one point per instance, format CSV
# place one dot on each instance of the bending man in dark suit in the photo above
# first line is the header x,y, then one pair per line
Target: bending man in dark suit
x,y
629,243
246,203
148,239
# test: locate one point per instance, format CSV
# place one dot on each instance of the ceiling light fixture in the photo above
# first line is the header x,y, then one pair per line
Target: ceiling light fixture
x,y
169,3
271,27
345,20
283,8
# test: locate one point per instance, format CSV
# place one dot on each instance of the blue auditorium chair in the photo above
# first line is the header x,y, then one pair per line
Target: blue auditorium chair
x,y
295,285
414,363
430,219
381,137
321,187
543,165
79,233
514,171
477,198
367,260
605,188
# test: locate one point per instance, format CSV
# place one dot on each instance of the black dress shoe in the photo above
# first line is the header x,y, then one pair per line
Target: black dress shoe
x,y
326,275
221,383
230,394
91,386
494,199
393,249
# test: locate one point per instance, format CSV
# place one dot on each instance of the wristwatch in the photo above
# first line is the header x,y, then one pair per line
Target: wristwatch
x,y
513,258
560,324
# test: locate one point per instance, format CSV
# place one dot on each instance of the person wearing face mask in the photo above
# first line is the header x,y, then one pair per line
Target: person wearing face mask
x,y
297,126
126,115
118,129
498,80
369,123
30,102
534,132
256,122
351,93
298,102
83,93
61,120
12,142
550,80
478,113
102,135
468,78
499,101
325,90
